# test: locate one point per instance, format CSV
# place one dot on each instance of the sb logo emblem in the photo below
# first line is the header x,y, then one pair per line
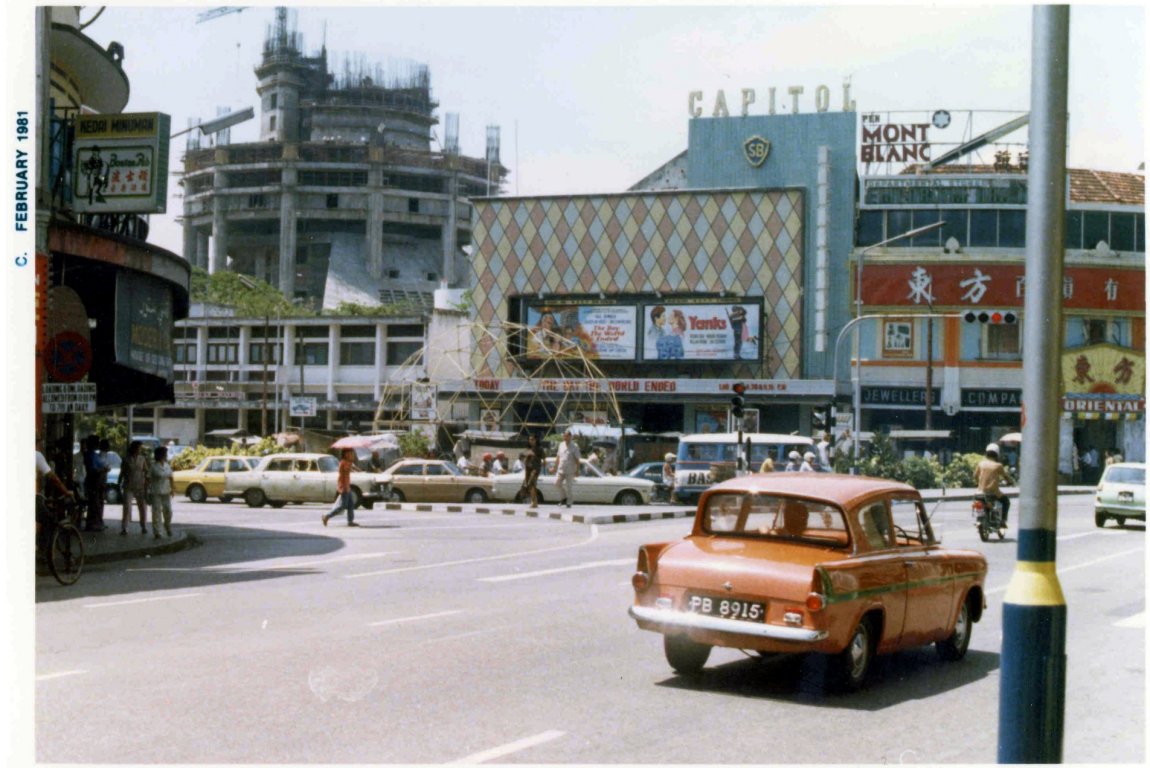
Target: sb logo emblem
x,y
756,149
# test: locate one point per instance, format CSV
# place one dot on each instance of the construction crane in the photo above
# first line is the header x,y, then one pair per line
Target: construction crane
x,y
213,13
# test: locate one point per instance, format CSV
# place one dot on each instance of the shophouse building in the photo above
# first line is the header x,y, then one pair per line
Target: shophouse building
x,y
973,268
106,299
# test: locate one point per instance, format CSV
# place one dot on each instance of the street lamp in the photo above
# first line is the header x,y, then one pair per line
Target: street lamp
x,y
856,419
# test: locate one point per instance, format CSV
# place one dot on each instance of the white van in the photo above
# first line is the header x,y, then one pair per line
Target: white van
x,y
698,452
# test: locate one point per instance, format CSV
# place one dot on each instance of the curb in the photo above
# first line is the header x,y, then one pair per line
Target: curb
x,y
180,541
603,518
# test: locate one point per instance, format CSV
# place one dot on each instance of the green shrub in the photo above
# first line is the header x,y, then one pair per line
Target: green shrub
x,y
191,458
919,472
413,445
959,473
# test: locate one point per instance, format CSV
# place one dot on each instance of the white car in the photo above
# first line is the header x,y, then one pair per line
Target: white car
x,y
297,477
1121,494
591,487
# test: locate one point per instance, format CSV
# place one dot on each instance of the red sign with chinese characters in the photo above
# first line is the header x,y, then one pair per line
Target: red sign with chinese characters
x,y
970,285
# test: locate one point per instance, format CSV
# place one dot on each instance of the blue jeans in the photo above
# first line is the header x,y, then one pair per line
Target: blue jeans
x,y
345,502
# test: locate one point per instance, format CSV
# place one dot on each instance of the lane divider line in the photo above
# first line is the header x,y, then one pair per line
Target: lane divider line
x,y
507,749
54,675
1137,621
406,619
594,535
549,571
1087,564
143,600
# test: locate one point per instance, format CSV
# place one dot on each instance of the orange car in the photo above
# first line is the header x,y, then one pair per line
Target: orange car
x,y
802,562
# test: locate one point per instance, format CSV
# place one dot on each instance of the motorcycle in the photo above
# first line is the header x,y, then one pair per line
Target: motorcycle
x,y
987,512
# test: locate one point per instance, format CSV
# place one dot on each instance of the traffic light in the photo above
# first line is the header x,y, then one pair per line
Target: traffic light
x,y
991,317
737,401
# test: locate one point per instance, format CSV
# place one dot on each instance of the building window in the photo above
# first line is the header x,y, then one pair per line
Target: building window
x,y
333,200
1003,342
357,353
413,205
185,353
1122,231
222,354
401,352
400,331
984,229
897,338
1101,331
272,123
1095,229
869,229
256,352
955,226
897,222
1073,236
311,354
931,239
1012,229
272,104
357,331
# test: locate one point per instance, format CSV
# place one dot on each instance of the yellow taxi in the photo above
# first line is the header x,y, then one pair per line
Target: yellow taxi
x,y
207,479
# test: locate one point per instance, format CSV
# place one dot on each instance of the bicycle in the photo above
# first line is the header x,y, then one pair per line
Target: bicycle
x,y
65,553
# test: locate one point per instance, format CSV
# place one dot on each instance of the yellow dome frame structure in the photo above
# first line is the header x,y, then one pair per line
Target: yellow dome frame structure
x,y
552,373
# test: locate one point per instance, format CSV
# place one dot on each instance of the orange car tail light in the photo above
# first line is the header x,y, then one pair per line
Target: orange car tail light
x,y
815,602
640,581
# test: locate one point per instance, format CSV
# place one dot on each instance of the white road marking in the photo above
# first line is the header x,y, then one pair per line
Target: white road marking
x,y
594,535
549,571
406,619
507,749
1087,564
54,675
143,600
1137,621
1070,536
278,567
462,635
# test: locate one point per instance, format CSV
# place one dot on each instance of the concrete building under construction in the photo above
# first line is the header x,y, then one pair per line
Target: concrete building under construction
x,y
343,198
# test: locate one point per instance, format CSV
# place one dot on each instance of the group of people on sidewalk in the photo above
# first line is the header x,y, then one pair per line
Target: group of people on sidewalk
x,y
146,483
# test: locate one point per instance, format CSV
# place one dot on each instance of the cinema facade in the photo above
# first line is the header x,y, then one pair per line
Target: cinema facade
x,y
737,261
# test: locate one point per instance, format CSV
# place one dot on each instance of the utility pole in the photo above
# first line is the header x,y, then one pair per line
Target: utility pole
x,y
1032,684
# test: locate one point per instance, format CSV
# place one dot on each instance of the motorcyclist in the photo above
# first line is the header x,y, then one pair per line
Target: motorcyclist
x,y
989,475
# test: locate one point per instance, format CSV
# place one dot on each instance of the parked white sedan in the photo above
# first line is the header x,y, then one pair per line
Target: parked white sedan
x,y
591,487
297,477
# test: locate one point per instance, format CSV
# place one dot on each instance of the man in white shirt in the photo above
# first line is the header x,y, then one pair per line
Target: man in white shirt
x,y
567,468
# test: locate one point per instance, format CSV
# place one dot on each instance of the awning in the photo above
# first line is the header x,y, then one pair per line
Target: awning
x,y
1011,437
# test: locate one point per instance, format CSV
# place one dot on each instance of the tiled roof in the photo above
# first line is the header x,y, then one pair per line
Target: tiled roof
x,y
1086,186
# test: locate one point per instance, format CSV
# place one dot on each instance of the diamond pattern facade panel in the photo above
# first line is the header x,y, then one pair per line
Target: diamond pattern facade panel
x,y
742,242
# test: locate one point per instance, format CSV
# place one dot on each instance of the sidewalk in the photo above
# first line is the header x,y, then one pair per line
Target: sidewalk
x,y
109,545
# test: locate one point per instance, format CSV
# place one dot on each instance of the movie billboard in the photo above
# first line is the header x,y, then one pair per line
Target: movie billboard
x,y
701,332
599,332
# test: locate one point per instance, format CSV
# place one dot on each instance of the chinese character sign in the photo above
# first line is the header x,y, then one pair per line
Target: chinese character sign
x,y
121,163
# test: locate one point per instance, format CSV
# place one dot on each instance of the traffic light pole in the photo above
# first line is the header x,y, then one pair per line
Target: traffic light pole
x,y
1032,685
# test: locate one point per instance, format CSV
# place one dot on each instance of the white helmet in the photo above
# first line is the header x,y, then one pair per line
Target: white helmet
x,y
809,456
794,456
992,448
669,457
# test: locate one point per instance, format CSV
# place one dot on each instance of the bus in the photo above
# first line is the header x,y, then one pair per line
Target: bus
x,y
697,454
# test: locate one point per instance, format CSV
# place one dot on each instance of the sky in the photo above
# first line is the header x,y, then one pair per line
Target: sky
x,y
592,99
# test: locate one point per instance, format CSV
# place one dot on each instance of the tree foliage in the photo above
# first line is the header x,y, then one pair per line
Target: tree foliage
x,y
248,296
414,445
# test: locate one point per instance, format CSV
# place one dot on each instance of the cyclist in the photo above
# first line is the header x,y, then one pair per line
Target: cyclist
x,y
45,473
989,475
